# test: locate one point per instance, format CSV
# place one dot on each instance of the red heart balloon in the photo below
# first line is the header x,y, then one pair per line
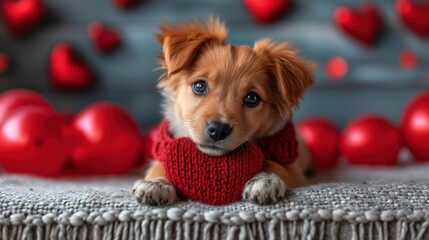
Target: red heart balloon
x,y
415,15
126,3
22,16
104,39
415,127
31,142
322,139
14,99
266,11
371,140
108,139
207,179
67,70
362,24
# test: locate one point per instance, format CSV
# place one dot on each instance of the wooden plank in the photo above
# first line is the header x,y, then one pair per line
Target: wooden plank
x,y
338,105
134,63
304,10
374,83
343,106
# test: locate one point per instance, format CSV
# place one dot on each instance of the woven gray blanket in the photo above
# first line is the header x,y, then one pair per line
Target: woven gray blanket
x,y
32,208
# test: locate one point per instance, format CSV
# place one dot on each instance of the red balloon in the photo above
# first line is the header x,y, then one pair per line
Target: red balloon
x,y
322,139
17,98
371,140
266,11
31,142
109,142
415,127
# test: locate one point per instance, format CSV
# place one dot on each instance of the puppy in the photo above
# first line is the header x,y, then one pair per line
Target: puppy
x,y
221,96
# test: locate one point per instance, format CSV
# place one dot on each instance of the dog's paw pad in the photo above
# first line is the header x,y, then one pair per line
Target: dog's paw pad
x,y
264,188
155,192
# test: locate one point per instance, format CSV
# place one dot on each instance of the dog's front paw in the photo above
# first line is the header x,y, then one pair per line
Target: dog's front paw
x,y
264,188
155,192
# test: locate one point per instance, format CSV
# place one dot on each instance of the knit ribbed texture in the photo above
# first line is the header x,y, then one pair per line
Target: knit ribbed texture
x,y
282,147
161,138
219,180
211,180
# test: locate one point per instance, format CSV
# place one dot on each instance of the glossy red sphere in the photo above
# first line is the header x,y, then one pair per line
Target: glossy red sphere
x,y
415,127
31,142
322,139
109,139
371,140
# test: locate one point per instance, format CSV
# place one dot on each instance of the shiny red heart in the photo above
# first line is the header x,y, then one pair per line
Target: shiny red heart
x,y
14,99
126,3
104,39
31,142
67,70
22,16
107,140
415,15
266,11
362,24
208,179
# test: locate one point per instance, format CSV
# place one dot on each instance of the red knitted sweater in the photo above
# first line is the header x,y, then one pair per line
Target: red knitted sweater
x,y
218,180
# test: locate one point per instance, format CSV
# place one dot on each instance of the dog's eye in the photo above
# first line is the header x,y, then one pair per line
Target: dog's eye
x,y
252,99
200,87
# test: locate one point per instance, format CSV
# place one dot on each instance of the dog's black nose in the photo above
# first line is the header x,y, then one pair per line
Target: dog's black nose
x,y
218,130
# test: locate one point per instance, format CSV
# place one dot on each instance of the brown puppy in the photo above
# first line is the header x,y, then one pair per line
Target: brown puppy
x,y
221,96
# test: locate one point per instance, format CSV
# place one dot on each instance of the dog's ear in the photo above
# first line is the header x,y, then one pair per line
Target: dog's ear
x,y
181,43
293,74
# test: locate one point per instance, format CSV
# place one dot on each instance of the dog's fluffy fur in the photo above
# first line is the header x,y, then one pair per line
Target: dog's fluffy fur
x,y
198,51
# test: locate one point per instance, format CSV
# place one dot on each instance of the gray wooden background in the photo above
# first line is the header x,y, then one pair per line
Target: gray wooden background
x,y
375,82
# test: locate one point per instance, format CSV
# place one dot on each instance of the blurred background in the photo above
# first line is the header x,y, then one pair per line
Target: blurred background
x,y
352,78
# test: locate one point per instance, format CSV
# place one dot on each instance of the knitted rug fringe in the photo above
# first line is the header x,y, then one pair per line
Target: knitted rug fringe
x,y
188,230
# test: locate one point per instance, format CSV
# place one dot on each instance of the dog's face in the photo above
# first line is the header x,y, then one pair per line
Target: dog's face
x,y
222,95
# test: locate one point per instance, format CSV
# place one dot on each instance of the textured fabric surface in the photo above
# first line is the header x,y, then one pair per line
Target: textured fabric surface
x,y
102,208
218,180
281,147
